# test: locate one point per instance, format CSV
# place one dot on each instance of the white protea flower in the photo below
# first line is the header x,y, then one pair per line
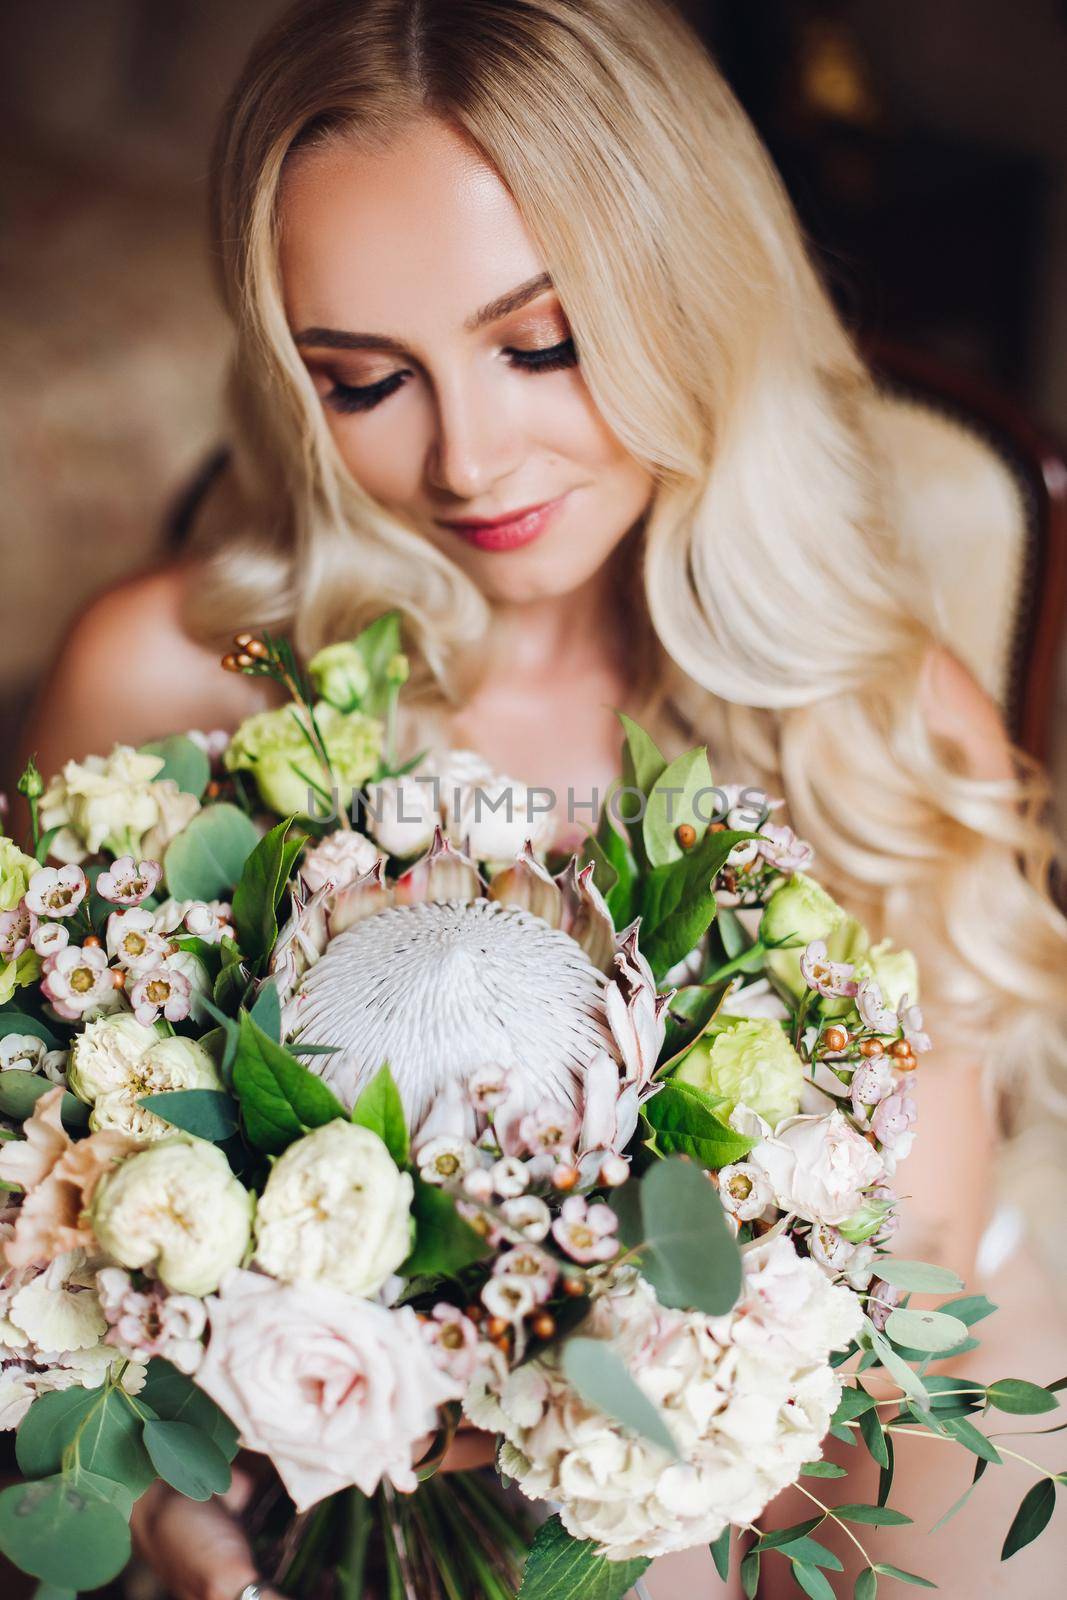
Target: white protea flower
x,y
448,979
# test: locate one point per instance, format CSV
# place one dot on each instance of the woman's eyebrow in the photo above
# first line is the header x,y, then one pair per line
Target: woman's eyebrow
x,y
339,339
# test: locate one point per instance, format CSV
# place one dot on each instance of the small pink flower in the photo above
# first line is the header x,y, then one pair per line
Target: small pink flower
x,y
871,1082
828,978
585,1232
57,891
528,1216
888,1297
209,920
76,980
151,1322
551,1127
744,1191
781,847
532,1266
132,941
17,929
129,882
487,1088
162,989
875,1014
893,1123
911,1021
50,937
510,1177
453,1339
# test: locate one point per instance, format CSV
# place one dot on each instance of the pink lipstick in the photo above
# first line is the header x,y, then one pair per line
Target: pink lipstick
x,y
508,532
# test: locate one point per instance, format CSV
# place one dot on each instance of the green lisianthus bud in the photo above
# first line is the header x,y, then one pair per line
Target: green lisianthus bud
x,y
16,870
798,912
865,1222
272,747
340,675
896,972
31,784
399,669
749,1060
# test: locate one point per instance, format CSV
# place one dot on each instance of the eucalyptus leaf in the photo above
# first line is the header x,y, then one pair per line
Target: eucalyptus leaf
x,y
971,1438
13,1021
20,1092
873,1516
812,1581
720,1552
929,1331
689,1255
1031,1518
174,1396
49,1426
918,1276
750,1574
184,762
597,1372
897,1367
64,1530
780,1536
206,1113
206,859
866,1585
560,1567
187,1458
889,1571
1020,1397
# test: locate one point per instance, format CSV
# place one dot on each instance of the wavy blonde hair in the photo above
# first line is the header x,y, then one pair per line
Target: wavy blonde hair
x,y
773,609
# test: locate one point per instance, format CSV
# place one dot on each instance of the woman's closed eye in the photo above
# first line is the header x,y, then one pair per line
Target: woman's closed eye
x,y
346,397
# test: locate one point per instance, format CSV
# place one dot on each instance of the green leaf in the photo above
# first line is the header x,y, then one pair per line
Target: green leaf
x,y
812,1581
187,1458
853,1402
266,1010
811,1553
874,1516
671,803
780,1536
1020,1397
691,1009
205,860
1031,1518
280,1099
20,1092
678,900
867,1585
895,1364
687,1124
597,1372
958,1505
381,1109
262,884
720,1552
13,1021
750,1575
64,1530
183,761
873,1437
444,1242
929,1331
886,1475
966,1434
889,1571
688,1254
108,1431
562,1568
970,1308
175,1397
822,1469
207,1113
918,1276
49,1426
605,875
642,762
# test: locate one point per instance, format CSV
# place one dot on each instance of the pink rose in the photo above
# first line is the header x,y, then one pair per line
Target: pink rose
x,y
819,1167
334,1389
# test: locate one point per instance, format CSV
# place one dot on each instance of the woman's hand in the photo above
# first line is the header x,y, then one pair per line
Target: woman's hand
x,y
198,1549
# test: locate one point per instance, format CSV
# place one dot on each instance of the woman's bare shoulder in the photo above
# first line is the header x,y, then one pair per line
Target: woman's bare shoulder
x,y
128,670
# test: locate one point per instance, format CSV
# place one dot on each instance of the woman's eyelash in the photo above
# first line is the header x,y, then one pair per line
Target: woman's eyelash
x,y
364,397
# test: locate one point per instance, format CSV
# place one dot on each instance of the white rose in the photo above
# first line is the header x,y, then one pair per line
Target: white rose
x,y
401,815
337,1210
334,1390
105,1057
168,1064
175,1209
819,1167
340,858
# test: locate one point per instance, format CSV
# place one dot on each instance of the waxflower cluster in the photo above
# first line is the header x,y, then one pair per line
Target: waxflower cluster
x,y
337,1107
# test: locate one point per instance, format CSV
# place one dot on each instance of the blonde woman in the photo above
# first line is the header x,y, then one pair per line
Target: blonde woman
x,y
528,346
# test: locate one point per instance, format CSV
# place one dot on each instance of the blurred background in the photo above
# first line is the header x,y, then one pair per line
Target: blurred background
x,y
925,147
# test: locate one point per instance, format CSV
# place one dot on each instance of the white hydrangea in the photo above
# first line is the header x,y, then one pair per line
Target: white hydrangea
x,y
747,1398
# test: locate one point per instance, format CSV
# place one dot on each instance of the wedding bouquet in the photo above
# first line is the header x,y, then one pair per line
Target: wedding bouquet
x,y
323,1134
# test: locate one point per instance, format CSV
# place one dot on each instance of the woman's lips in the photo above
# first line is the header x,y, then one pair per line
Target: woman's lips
x,y
510,533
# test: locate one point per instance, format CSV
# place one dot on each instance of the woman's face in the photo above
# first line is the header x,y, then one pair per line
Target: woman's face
x,y
444,362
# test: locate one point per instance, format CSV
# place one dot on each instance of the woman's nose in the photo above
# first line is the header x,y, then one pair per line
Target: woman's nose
x,y
475,443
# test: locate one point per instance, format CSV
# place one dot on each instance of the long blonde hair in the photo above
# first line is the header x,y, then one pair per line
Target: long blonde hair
x,y
778,623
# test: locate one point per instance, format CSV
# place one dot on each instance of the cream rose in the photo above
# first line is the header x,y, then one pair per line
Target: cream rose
x,y
175,1209
336,1210
117,1060
117,803
335,1390
819,1167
